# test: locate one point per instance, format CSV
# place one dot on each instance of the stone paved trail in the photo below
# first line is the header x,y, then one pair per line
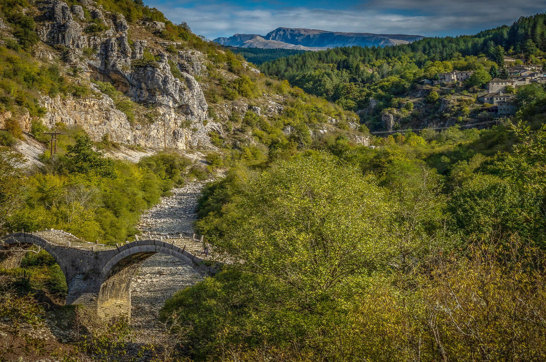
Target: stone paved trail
x,y
161,276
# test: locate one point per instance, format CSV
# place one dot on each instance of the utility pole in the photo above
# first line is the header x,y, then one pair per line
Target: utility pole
x,y
165,134
53,142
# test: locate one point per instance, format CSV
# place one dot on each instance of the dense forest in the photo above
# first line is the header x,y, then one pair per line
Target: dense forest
x,y
351,77
259,56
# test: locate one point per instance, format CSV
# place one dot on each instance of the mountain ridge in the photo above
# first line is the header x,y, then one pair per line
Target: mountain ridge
x,y
313,39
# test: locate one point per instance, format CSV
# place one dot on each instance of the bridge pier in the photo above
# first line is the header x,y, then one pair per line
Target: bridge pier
x,y
114,298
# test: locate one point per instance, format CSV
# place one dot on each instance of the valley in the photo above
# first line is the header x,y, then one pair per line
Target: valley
x,y
354,196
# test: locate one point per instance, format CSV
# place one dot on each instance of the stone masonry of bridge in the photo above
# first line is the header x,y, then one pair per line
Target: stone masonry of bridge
x,y
99,276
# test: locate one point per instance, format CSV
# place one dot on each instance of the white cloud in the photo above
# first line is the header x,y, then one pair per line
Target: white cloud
x,y
425,17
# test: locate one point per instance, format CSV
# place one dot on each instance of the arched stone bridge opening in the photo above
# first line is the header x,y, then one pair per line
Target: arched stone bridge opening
x,y
98,276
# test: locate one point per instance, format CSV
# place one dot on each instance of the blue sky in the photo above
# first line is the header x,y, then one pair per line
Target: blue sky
x,y
213,18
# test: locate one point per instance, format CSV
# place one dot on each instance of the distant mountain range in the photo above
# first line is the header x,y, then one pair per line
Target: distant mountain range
x,y
311,39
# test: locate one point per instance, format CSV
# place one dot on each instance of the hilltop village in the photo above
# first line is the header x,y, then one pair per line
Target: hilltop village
x,y
500,96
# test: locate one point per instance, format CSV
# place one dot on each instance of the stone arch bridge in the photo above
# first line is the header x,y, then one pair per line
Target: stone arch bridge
x,y
97,276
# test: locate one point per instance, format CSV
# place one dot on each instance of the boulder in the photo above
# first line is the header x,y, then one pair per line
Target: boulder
x,y
138,49
97,14
77,10
157,26
120,23
255,109
60,13
191,61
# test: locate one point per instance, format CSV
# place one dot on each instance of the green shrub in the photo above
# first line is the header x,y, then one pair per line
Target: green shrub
x,y
147,60
96,27
14,128
432,97
169,167
7,139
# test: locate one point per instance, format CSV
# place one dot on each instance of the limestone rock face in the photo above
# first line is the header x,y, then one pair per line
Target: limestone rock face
x,y
115,55
121,23
77,10
99,117
191,61
60,13
138,51
157,85
63,30
157,26
97,14
178,100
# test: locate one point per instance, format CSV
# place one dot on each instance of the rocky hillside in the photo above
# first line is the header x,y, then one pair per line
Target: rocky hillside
x,y
125,74
311,39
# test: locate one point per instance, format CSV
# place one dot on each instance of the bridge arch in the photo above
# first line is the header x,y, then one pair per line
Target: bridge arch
x,y
30,239
114,298
151,247
24,241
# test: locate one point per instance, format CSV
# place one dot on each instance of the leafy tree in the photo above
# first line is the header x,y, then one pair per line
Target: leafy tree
x,y
432,97
530,47
315,235
81,158
479,78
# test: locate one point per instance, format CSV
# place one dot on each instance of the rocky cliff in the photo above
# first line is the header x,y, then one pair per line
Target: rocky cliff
x,y
96,43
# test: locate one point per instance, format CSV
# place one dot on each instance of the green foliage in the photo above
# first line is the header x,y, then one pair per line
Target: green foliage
x,y
88,195
287,246
22,80
170,168
23,24
432,97
7,139
132,10
108,343
338,264
19,310
81,158
409,250
260,56
10,179
95,27
147,60
479,78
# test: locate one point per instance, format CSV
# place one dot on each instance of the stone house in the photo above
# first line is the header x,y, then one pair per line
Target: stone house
x,y
503,103
509,60
522,70
498,85
456,76
496,98
447,77
463,75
